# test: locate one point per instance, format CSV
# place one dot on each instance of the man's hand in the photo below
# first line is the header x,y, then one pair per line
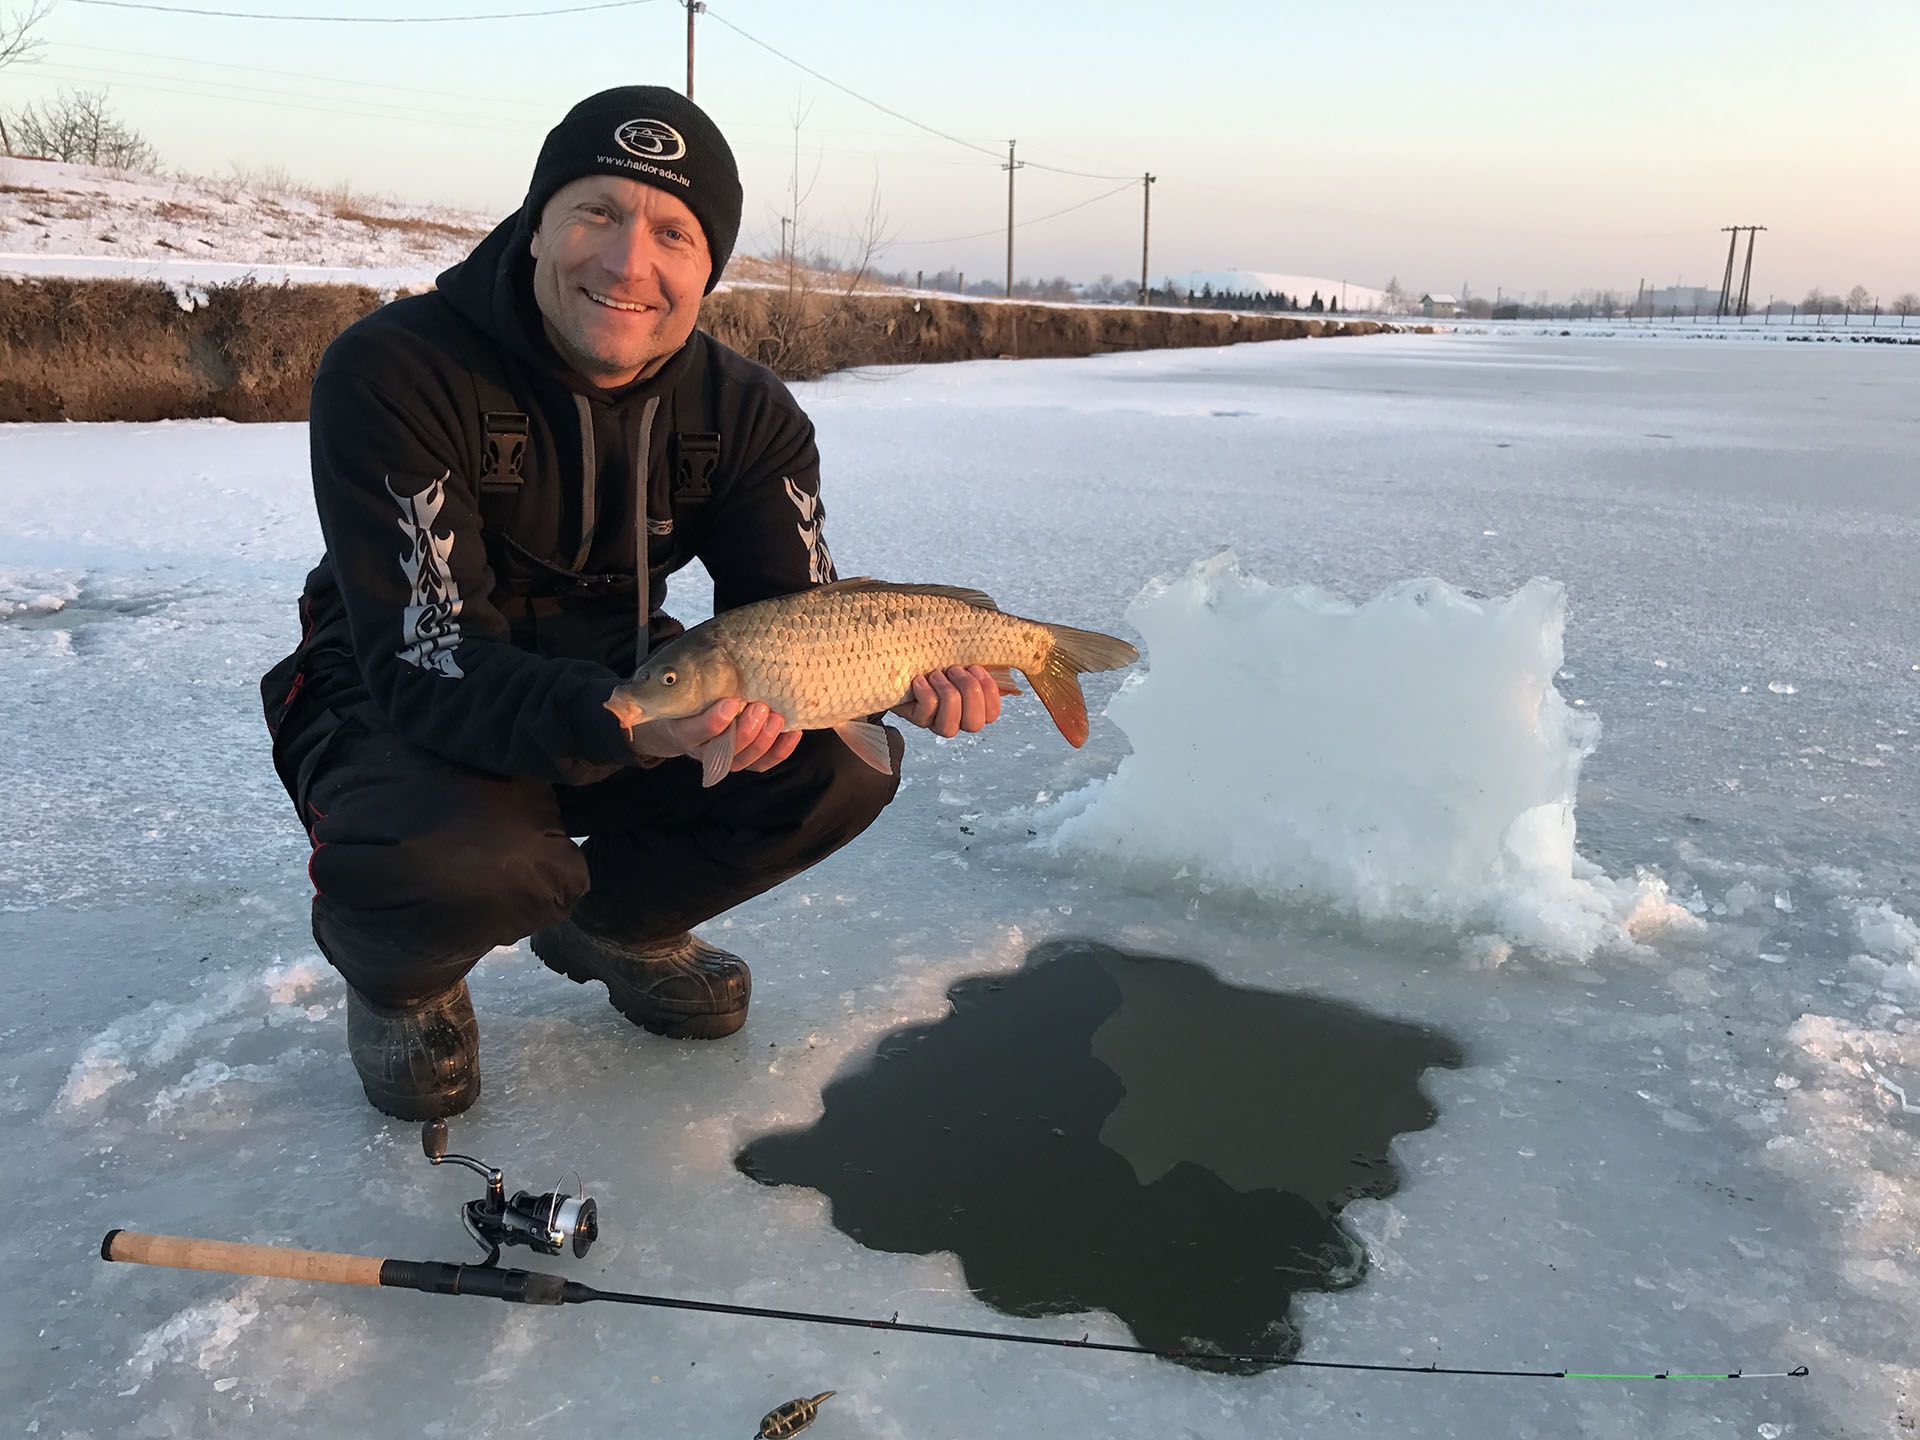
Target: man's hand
x,y
761,739
961,697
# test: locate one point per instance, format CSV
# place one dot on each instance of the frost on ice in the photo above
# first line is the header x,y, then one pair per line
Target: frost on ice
x,y
1409,758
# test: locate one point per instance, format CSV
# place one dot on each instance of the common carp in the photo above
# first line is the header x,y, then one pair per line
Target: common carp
x,y
827,658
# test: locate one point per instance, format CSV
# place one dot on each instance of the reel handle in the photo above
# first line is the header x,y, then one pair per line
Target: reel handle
x,y
280,1262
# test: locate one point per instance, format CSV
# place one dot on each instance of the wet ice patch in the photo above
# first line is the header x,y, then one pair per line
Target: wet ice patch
x,y
1405,759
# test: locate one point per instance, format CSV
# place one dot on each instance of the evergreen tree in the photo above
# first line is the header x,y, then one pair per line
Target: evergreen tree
x,y
1317,305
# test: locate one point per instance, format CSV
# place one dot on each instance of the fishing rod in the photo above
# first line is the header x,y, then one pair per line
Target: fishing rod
x,y
551,1223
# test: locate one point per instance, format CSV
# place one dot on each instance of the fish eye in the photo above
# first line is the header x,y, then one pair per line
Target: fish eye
x,y
668,677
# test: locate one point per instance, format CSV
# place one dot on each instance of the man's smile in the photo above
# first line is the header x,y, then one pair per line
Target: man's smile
x,y
612,304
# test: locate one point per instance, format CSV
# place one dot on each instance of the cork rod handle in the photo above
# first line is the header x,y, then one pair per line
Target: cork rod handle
x,y
278,1261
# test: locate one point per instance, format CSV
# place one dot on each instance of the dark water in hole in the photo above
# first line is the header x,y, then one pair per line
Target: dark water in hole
x,y
1103,1130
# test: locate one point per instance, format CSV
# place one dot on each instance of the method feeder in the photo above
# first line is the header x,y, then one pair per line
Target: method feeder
x,y
552,1223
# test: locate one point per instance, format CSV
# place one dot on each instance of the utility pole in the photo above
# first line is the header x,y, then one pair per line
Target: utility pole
x,y
1726,281
1746,279
1728,300
694,7
1146,212
1010,167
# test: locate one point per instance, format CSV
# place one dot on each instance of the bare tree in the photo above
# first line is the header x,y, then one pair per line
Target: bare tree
x,y
77,127
809,324
1907,304
1818,302
1858,300
18,45
17,42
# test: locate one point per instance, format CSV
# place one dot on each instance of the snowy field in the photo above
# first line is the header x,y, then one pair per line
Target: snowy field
x,y
1683,1135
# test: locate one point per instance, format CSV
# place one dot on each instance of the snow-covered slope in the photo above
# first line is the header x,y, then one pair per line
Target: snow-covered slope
x,y
49,210
83,221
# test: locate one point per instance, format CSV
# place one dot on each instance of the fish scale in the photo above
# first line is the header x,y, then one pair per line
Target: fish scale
x,y
846,655
829,657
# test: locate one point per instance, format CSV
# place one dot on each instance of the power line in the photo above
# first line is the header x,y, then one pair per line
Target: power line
x,y
216,89
1001,229
887,110
373,111
828,80
412,90
233,90
365,19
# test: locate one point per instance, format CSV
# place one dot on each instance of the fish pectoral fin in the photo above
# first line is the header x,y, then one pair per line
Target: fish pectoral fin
x,y
1003,677
716,758
869,742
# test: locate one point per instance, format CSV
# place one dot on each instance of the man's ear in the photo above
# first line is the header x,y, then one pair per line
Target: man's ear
x,y
533,243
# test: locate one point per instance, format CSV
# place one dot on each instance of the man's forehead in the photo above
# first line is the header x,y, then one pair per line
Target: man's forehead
x,y
629,195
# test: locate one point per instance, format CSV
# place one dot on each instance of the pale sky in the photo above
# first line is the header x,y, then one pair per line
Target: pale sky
x,y
1523,147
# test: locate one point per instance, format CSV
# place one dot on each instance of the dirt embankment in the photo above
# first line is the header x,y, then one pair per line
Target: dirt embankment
x,y
133,350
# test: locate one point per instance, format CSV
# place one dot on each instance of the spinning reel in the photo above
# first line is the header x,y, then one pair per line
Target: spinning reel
x,y
548,1223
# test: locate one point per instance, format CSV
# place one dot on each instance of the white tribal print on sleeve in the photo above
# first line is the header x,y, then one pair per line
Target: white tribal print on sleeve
x,y
430,624
819,562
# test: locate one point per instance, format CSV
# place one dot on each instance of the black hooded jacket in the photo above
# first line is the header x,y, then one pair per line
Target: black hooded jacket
x,y
489,623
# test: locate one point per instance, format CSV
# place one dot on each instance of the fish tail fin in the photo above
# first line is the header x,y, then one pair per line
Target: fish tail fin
x,y
1057,681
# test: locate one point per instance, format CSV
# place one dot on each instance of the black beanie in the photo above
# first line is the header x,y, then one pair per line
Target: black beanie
x,y
656,136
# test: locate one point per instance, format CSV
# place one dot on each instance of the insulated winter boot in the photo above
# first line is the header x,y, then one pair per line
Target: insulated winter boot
x,y
680,987
419,1061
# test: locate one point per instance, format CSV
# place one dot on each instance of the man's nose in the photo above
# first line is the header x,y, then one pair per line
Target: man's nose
x,y
631,252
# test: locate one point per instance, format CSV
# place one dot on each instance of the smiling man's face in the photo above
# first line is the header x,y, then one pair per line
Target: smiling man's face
x,y
618,272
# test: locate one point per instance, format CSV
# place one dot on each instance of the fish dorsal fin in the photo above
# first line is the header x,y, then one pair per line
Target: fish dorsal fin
x,y
867,584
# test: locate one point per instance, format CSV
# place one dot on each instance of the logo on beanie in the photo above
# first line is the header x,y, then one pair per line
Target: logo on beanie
x,y
650,139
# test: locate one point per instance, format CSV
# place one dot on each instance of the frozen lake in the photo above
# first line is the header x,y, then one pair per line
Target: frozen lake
x,y
1694,1155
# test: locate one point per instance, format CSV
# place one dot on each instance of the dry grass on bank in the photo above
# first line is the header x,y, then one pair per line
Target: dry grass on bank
x,y
130,350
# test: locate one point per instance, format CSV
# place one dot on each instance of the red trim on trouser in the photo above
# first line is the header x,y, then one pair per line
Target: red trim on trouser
x,y
318,846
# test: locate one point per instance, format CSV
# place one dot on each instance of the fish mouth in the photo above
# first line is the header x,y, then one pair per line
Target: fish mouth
x,y
628,711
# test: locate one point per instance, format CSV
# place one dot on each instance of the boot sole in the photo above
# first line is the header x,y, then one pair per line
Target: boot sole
x,y
412,1105
563,958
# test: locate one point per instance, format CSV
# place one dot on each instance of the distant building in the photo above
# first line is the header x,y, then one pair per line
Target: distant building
x,y
1439,307
1682,300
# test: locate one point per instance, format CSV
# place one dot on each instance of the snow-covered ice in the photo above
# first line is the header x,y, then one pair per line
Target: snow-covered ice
x,y
1684,1134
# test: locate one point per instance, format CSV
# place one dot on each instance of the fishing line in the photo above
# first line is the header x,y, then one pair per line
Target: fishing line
x,y
554,1222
